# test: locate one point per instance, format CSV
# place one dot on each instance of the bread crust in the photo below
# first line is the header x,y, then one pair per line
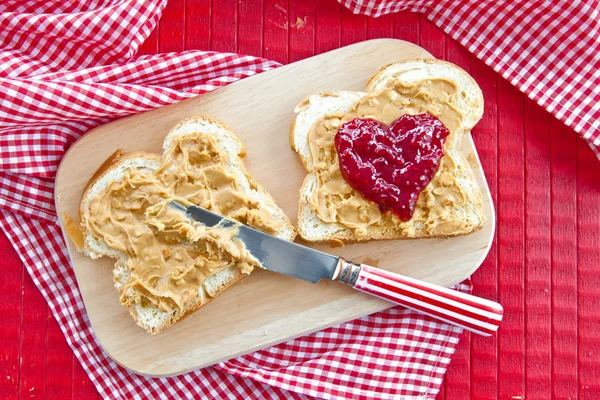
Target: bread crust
x,y
107,164
291,133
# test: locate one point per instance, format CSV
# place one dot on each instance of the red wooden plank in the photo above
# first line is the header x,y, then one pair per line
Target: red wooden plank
x,y
59,362
538,370
564,261
250,27
458,382
328,26
32,382
10,323
484,350
276,26
406,26
82,386
302,30
223,26
431,38
457,54
172,27
380,27
511,338
354,27
588,255
197,24
442,393
150,45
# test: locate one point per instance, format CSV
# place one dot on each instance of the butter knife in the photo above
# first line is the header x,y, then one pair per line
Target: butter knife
x,y
472,313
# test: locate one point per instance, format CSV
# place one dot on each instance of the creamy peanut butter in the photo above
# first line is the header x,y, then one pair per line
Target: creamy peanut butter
x,y
336,202
169,255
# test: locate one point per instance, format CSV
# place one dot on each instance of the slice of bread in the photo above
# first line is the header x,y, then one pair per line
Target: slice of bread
x,y
146,314
468,100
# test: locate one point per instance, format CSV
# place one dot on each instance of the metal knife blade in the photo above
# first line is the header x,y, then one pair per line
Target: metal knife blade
x,y
275,254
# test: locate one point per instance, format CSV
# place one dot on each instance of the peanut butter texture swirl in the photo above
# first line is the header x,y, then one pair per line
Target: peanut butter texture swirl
x,y
168,254
336,202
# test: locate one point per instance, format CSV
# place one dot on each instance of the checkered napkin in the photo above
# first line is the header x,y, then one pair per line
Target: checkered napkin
x,y
67,67
548,49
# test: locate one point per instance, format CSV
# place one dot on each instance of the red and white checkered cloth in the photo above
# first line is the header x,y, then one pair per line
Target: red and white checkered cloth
x,y
548,49
67,66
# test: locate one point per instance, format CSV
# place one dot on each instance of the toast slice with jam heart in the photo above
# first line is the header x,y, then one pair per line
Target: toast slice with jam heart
x,y
385,164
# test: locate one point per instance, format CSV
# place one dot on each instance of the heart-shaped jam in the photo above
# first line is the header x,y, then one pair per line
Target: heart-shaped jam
x,y
391,165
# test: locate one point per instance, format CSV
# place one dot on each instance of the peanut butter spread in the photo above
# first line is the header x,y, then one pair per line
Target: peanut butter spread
x,y
169,255
336,202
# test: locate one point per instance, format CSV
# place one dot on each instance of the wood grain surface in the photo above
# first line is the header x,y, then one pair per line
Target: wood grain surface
x,y
259,110
570,364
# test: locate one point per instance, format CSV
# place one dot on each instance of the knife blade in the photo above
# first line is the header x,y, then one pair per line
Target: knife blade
x,y
275,254
473,313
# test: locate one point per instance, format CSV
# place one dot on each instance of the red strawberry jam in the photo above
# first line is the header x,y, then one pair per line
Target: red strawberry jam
x,y
391,165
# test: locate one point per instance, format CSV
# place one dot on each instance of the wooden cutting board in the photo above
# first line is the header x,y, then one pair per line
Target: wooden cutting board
x,y
265,308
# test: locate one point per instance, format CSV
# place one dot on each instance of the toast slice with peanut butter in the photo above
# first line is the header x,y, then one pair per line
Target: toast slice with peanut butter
x,y
331,207
166,265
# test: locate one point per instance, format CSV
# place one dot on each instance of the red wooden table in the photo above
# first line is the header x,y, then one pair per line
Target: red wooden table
x,y
544,266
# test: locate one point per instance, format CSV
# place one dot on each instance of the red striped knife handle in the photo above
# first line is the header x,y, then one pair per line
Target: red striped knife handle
x,y
469,312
